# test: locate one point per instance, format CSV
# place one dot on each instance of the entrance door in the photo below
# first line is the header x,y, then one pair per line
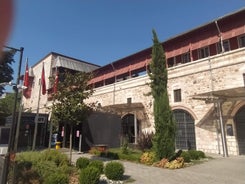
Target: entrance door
x,y
128,128
185,133
240,130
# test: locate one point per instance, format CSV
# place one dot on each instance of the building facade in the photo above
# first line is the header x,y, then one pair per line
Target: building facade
x,y
206,69
52,64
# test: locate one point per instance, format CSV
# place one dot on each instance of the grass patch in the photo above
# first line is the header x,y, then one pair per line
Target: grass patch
x,y
131,154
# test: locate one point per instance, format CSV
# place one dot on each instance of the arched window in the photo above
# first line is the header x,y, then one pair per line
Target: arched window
x,y
185,130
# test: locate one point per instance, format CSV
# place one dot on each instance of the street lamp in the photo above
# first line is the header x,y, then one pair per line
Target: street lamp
x,y
13,126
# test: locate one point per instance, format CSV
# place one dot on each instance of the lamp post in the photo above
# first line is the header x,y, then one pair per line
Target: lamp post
x,y
13,126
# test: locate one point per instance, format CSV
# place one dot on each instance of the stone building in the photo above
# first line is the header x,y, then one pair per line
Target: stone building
x,y
206,69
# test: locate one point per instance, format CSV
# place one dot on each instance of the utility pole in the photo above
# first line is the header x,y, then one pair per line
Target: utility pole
x,y
10,152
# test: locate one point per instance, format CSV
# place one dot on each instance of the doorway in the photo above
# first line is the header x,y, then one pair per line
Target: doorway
x,y
129,129
240,130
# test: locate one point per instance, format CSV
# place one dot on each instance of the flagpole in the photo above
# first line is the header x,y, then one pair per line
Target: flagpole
x,y
21,107
36,118
18,125
41,85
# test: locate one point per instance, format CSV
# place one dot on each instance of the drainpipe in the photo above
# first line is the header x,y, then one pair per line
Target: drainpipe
x,y
223,137
217,125
220,36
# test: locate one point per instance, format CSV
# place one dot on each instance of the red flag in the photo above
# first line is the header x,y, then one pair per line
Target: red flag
x,y
26,77
26,92
56,81
43,83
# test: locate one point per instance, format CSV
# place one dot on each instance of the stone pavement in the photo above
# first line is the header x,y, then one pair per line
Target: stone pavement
x,y
219,170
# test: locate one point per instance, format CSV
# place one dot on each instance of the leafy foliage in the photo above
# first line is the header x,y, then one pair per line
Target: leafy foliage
x,y
145,141
114,170
57,177
6,71
164,137
25,173
68,105
147,158
82,162
110,155
193,155
49,166
161,163
55,156
89,175
175,164
97,164
116,153
186,156
7,106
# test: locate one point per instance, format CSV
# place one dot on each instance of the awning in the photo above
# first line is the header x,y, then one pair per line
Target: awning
x,y
73,64
125,107
227,94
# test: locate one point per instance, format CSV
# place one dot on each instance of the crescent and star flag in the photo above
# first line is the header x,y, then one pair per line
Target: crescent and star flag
x,y
26,92
26,77
43,83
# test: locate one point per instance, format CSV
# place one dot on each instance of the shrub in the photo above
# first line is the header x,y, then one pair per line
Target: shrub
x,y
89,175
201,154
82,162
110,155
57,177
145,141
31,156
25,173
95,151
147,158
192,155
114,170
124,147
55,156
175,155
196,155
131,156
161,163
186,156
45,168
42,167
97,164
175,164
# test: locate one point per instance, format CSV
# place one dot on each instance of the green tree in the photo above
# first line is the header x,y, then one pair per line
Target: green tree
x,y
164,137
6,71
6,107
68,105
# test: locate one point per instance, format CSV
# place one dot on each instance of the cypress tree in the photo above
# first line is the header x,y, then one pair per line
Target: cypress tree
x,y
164,137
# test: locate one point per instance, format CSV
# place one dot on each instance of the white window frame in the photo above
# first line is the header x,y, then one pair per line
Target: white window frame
x,y
186,57
203,52
226,46
241,41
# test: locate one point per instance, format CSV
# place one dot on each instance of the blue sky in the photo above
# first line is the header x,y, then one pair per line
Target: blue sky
x,y
103,31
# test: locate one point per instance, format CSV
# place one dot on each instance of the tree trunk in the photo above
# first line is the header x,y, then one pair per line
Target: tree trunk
x,y
71,132
64,135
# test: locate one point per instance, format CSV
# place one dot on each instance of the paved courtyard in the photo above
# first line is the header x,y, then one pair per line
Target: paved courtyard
x,y
218,170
